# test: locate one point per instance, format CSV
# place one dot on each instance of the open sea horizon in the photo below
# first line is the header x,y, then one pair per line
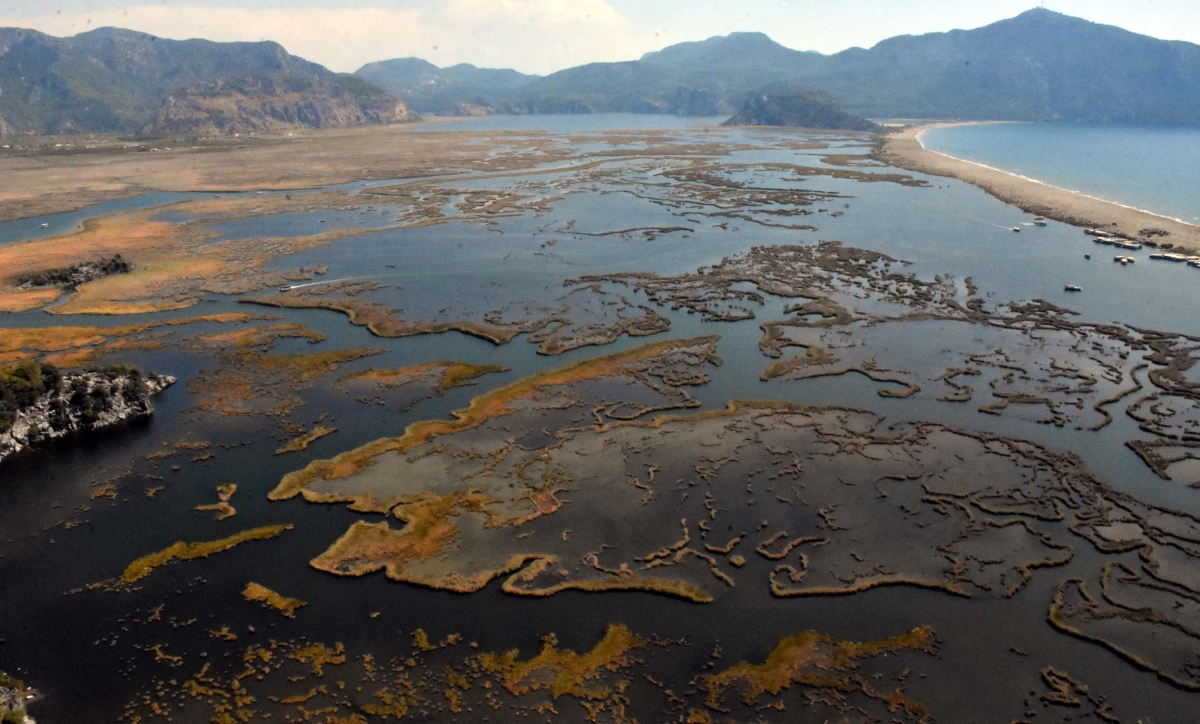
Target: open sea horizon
x,y
1152,168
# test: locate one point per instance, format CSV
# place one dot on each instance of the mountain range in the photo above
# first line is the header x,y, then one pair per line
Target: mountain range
x,y
1037,66
115,80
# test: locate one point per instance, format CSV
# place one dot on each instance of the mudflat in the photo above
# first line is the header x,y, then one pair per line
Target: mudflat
x,y
62,174
903,149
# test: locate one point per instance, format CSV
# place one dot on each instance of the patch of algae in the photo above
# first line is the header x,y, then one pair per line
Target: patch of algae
x,y
449,374
830,680
173,264
493,404
382,321
262,594
308,438
428,529
254,383
182,551
222,507
76,346
223,510
320,656
564,672
822,662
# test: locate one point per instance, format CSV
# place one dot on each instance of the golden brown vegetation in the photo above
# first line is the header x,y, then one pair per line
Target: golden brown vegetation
x,y
262,594
564,672
182,551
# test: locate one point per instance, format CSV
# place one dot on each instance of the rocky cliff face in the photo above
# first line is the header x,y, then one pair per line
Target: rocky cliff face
x,y
250,104
76,402
799,109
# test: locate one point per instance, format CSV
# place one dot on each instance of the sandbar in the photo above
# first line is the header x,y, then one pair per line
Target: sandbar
x,y
903,149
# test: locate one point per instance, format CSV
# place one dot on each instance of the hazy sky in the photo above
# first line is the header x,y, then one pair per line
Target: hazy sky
x,y
541,36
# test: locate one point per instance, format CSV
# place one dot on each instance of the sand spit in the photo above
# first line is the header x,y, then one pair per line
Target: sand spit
x,y
904,150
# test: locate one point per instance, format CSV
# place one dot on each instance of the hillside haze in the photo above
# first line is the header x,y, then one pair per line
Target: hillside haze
x,y
458,90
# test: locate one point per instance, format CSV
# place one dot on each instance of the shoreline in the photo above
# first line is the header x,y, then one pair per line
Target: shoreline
x,y
904,149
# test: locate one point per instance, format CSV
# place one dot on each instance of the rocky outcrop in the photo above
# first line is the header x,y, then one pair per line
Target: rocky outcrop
x,y
799,109
264,103
76,274
40,403
12,701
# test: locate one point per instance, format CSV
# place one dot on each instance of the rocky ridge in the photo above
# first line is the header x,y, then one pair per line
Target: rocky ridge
x,y
277,102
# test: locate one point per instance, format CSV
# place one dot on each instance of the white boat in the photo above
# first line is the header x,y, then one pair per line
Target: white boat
x,y
1017,229
286,288
1072,288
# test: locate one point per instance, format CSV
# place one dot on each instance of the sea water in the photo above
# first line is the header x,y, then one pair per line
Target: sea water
x,y
1156,169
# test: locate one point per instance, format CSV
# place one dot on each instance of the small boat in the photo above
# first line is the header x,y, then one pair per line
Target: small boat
x,y
1087,256
286,288
1017,229
1039,221
1072,288
45,226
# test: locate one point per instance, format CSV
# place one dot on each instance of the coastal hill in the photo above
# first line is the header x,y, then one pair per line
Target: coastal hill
x,y
799,108
1040,65
1037,66
275,102
724,71
114,80
458,90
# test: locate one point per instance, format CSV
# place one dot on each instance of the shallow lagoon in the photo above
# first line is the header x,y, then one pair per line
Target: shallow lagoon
x,y
470,267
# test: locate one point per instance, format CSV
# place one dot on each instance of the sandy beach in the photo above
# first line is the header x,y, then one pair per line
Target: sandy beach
x,y
904,150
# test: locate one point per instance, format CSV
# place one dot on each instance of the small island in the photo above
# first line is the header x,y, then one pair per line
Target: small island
x,y
799,108
13,696
39,402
